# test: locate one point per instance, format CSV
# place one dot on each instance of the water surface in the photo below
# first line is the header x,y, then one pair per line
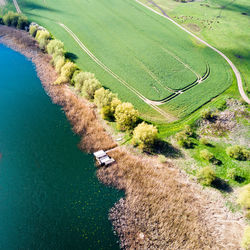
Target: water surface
x,y
50,197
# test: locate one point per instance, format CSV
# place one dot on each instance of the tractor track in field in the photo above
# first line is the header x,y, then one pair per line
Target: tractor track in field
x,y
235,70
152,104
18,10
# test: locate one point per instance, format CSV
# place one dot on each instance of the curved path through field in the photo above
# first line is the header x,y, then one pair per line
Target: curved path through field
x,y
235,70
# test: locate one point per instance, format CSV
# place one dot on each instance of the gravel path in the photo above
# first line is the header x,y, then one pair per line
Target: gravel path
x,y
235,70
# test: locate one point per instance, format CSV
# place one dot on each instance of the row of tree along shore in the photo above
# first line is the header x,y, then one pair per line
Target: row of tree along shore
x,y
152,215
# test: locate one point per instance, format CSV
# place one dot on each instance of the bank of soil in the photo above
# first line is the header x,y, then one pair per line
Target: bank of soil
x,y
162,209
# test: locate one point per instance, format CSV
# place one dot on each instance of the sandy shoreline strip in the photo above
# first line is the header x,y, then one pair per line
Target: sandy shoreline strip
x,y
162,208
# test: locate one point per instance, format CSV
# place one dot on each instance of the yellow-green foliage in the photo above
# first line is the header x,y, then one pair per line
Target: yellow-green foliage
x,y
183,139
61,80
208,114
68,70
33,30
89,88
206,176
103,97
238,152
162,158
79,79
245,243
115,102
144,135
42,37
205,154
126,116
55,47
58,62
244,197
14,19
204,141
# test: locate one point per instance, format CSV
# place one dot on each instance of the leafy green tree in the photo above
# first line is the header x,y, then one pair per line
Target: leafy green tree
x,y
43,37
55,47
90,87
144,136
103,97
208,114
80,77
22,22
206,176
58,62
126,116
67,72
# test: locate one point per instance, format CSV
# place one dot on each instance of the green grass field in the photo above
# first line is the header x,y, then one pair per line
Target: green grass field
x,y
224,24
148,52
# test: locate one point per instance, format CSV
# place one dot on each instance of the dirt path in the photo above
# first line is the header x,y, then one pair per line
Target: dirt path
x,y
17,6
235,70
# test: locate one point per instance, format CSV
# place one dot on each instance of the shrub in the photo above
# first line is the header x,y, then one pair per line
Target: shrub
x,y
33,30
205,154
79,79
238,152
22,22
126,116
55,47
204,141
208,114
144,135
232,173
103,97
61,80
89,88
206,176
188,131
183,139
245,243
42,37
244,197
162,158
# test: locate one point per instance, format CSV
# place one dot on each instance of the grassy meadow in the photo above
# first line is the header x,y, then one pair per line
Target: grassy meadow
x,y
147,51
222,23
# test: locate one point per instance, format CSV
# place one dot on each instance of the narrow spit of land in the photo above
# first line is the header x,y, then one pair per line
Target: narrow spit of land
x,y
162,208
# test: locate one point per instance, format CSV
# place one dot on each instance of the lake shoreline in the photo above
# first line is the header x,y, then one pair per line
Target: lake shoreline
x,y
162,209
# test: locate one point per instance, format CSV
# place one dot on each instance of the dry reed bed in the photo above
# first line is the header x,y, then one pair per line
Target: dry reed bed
x,y
160,203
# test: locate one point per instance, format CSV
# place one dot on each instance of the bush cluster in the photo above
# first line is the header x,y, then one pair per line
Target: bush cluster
x,y
208,114
16,20
238,152
206,176
244,197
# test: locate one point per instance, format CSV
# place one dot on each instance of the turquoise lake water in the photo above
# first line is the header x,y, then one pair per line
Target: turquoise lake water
x,y
50,197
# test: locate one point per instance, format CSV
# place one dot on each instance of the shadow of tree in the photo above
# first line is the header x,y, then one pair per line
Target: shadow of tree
x,y
222,185
37,6
166,149
71,56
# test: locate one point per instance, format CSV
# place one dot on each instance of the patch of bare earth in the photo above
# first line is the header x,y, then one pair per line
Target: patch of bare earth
x,y
162,209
